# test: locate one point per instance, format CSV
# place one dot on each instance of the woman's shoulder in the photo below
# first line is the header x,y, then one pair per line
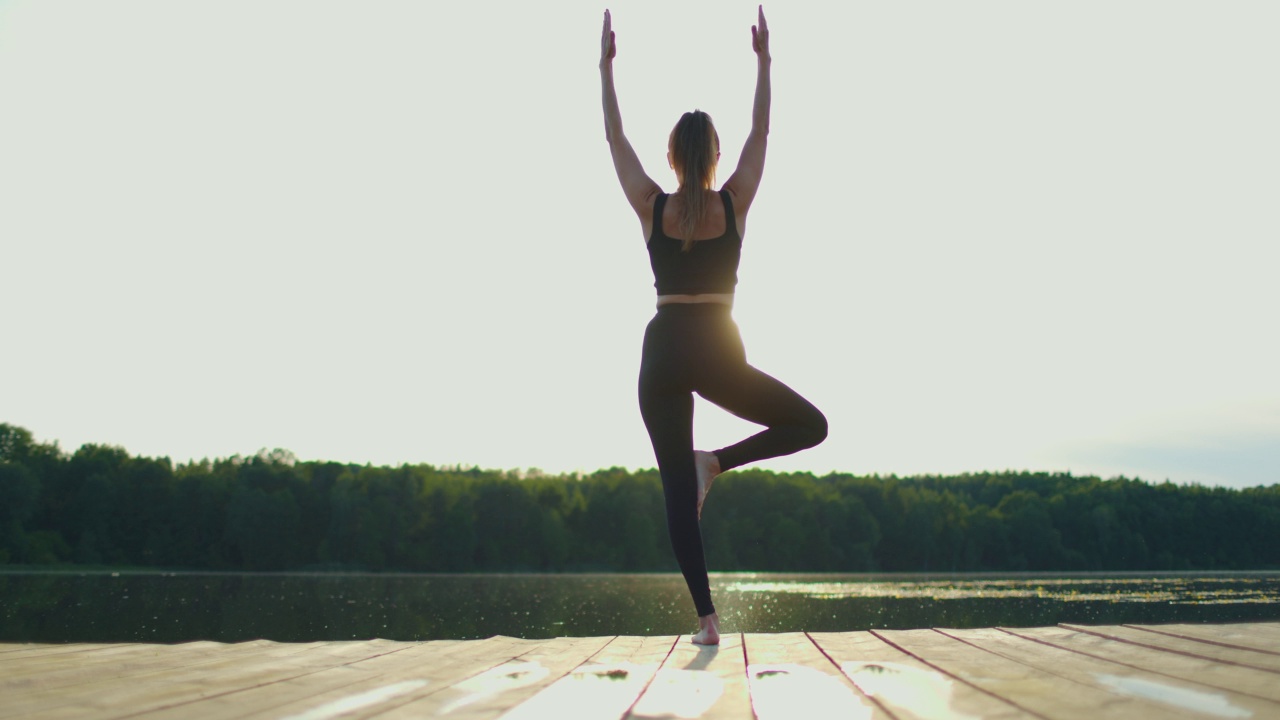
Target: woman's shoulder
x,y
741,196
738,202
649,207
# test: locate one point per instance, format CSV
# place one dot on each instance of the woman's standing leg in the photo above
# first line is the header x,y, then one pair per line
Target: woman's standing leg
x,y
669,419
666,404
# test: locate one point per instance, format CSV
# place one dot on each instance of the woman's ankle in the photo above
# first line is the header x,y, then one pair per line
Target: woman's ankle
x,y
708,630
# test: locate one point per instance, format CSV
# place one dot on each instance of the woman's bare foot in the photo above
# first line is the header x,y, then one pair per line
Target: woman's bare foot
x,y
708,630
708,466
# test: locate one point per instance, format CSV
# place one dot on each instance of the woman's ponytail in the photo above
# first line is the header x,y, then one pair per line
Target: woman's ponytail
x,y
695,148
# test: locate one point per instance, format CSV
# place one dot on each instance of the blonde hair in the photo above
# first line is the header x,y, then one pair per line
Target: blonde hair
x,y
695,149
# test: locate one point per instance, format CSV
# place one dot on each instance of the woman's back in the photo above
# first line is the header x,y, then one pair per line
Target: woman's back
x,y
712,224
705,267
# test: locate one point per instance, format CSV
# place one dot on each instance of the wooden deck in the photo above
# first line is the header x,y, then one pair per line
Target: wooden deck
x,y
1163,671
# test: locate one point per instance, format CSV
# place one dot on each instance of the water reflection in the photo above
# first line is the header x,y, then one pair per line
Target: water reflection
x,y
493,682
592,691
921,693
346,705
168,607
789,690
680,694
1175,695
1185,590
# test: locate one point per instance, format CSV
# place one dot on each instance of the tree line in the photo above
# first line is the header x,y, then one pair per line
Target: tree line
x,y
101,506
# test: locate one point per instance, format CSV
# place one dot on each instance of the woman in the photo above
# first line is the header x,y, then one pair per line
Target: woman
x,y
692,344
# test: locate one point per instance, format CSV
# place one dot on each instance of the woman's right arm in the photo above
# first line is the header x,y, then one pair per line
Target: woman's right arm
x,y
746,177
640,189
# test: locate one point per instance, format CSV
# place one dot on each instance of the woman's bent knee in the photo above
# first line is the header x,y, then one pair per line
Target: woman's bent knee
x,y
816,429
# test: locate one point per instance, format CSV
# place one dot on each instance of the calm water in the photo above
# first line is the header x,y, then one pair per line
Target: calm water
x,y
167,607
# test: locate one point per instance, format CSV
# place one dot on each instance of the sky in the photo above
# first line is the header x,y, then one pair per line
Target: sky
x,y
991,235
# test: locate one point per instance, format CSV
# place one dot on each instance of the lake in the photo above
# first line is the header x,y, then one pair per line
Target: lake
x,y
303,607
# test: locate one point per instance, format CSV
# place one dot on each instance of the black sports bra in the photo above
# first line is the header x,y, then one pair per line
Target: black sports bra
x,y
710,266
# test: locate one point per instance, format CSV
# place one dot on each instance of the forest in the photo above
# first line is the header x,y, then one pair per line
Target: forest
x,y
100,506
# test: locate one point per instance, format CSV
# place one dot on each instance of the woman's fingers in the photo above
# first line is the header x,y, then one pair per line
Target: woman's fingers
x,y
608,48
760,33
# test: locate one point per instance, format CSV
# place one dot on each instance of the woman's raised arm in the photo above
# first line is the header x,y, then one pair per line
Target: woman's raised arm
x,y
746,177
640,189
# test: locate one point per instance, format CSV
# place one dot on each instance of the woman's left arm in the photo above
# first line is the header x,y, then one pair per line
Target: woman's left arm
x,y
745,180
640,189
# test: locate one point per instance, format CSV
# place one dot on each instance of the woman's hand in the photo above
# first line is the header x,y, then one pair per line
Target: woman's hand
x,y
607,46
759,35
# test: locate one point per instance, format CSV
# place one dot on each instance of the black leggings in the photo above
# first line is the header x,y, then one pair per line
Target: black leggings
x,y
692,348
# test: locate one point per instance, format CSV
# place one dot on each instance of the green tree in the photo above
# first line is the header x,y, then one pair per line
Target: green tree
x,y
19,498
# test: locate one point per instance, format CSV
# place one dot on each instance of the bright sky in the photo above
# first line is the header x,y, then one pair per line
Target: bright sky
x,y
991,235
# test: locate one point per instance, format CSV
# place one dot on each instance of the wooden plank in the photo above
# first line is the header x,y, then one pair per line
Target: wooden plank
x,y
121,661
34,651
699,681
64,678
1263,661
904,685
1233,682
224,672
1253,636
1100,672
372,685
489,693
142,661
1133,693
15,647
1044,684
789,677
107,696
38,662
6,648
348,686
605,686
